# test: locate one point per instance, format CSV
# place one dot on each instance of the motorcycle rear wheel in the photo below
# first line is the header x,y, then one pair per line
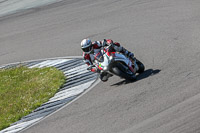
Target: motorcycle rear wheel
x,y
141,66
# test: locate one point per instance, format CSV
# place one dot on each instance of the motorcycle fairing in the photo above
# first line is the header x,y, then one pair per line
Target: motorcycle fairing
x,y
104,60
123,58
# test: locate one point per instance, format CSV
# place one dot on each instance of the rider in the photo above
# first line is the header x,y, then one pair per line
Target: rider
x,y
90,49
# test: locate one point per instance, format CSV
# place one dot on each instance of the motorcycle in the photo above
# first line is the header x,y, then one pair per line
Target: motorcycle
x,y
117,64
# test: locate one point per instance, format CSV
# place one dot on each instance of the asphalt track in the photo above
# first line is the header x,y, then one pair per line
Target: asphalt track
x,y
164,34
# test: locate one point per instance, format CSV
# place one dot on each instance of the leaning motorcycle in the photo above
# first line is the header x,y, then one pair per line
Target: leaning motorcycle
x,y
118,64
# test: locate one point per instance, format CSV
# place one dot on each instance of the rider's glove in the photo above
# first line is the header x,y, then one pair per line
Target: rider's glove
x,y
93,68
90,67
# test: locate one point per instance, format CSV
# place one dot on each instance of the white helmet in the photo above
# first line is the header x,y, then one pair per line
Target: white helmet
x,y
86,45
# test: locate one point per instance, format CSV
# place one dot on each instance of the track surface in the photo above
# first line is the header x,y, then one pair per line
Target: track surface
x,y
164,34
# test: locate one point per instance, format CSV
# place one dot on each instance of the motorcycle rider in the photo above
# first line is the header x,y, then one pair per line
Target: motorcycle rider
x,y
90,49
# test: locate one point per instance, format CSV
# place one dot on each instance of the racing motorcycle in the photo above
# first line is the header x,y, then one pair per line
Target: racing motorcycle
x,y
118,64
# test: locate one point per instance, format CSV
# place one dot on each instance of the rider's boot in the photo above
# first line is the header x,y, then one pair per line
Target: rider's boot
x,y
130,55
127,53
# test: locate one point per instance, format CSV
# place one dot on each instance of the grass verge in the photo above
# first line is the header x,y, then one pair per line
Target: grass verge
x,y
23,89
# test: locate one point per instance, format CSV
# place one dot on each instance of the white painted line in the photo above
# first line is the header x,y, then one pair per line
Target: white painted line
x,y
13,131
59,62
75,74
67,57
49,63
70,93
13,6
40,64
75,70
19,126
64,92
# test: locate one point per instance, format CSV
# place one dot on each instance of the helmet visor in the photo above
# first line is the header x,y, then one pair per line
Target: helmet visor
x,y
86,50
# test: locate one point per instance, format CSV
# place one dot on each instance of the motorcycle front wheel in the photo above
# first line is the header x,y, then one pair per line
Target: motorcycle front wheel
x,y
121,70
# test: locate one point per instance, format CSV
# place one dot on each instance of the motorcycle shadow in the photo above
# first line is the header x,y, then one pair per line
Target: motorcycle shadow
x,y
145,74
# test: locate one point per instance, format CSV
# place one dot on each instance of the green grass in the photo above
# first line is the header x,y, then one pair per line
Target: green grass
x,y
23,89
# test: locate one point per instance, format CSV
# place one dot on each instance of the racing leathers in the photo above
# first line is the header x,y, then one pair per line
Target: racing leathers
x,y
115,46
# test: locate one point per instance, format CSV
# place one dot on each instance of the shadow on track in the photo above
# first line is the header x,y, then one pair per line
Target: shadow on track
x,y
145,74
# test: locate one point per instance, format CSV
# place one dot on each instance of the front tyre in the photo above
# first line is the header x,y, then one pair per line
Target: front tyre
x,y
121,71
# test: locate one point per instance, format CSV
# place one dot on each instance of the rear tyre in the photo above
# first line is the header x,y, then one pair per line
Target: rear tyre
x,y
141,66
120,70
